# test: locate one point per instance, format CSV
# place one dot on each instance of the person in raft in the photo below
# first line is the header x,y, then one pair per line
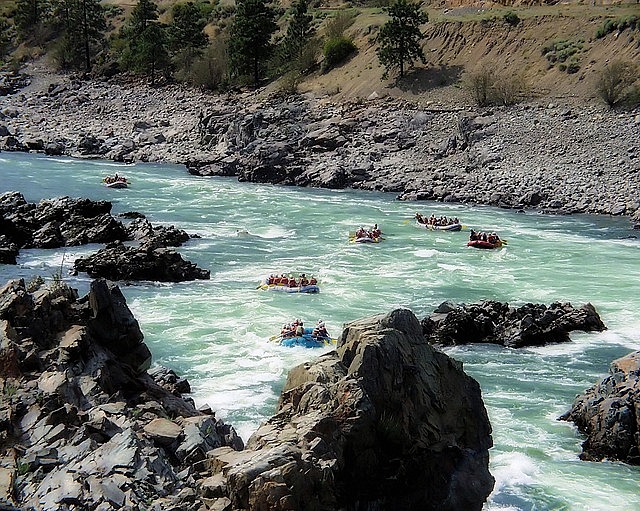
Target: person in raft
x,y
320,330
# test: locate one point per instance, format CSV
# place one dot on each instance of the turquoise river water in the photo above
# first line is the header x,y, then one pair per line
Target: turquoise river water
x,y
216,332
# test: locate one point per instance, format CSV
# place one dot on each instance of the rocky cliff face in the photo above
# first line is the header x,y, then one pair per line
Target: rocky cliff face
x,y
83,424
609,414
384,422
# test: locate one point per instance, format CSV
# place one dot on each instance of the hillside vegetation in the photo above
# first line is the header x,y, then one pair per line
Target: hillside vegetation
x,y
462,40
555,51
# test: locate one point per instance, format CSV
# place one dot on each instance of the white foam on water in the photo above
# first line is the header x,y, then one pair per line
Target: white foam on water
x,y
512,469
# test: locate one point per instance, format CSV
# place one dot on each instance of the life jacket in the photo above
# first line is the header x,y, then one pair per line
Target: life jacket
x,y
292,283
313,282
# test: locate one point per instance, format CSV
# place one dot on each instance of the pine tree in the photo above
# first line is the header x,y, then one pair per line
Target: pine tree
x,y
186,28
186,35
82,23
143,14
152,55
30,15
250,38
146,41
400,37
299,32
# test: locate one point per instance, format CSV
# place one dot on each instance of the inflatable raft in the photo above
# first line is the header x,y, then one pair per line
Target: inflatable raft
x,y
286,289
364,239
307,340
450,227
115,182
486,244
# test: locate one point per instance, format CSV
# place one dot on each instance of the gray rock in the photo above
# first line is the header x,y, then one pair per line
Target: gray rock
x,y
607,414
163,431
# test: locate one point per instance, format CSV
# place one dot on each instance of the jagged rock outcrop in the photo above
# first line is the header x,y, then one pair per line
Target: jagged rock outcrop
x,y
145,262
157,235
514,327
83,425
57,222
609,414
65,222
384,422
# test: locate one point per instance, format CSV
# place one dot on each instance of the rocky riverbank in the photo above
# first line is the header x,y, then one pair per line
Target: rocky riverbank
x,y
554,157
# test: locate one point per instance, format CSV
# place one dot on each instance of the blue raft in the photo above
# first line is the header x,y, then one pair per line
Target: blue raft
x,y
306,340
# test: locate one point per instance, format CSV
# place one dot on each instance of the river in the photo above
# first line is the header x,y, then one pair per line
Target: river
x,y
215,332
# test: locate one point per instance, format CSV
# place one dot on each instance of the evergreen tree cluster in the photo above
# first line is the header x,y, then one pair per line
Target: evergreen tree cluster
x,y
245,50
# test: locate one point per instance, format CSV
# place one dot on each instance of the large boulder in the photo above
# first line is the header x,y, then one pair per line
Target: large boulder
x,y
384,422
515,327
57,222
609,414
145,262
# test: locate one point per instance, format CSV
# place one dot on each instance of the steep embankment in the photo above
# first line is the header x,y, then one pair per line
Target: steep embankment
x,y
467,39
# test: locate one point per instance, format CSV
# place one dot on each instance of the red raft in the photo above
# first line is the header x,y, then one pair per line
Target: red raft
x,y
486,244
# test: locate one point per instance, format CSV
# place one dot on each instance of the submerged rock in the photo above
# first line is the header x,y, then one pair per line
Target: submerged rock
x,y
383,422
609,414
514,327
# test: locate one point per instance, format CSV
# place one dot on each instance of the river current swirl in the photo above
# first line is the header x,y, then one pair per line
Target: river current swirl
x,y
215,332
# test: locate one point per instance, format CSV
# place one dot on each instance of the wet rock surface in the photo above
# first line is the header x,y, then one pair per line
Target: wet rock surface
x,y
83,423
513,327
63,221
383,422
608,414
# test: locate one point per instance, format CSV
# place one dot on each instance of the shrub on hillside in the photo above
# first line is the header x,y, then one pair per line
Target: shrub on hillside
x,y
565,54
211,71
5,37
487,87
611,25
479,84
508,89
336,26
336,51
615,83
511,18
288,84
